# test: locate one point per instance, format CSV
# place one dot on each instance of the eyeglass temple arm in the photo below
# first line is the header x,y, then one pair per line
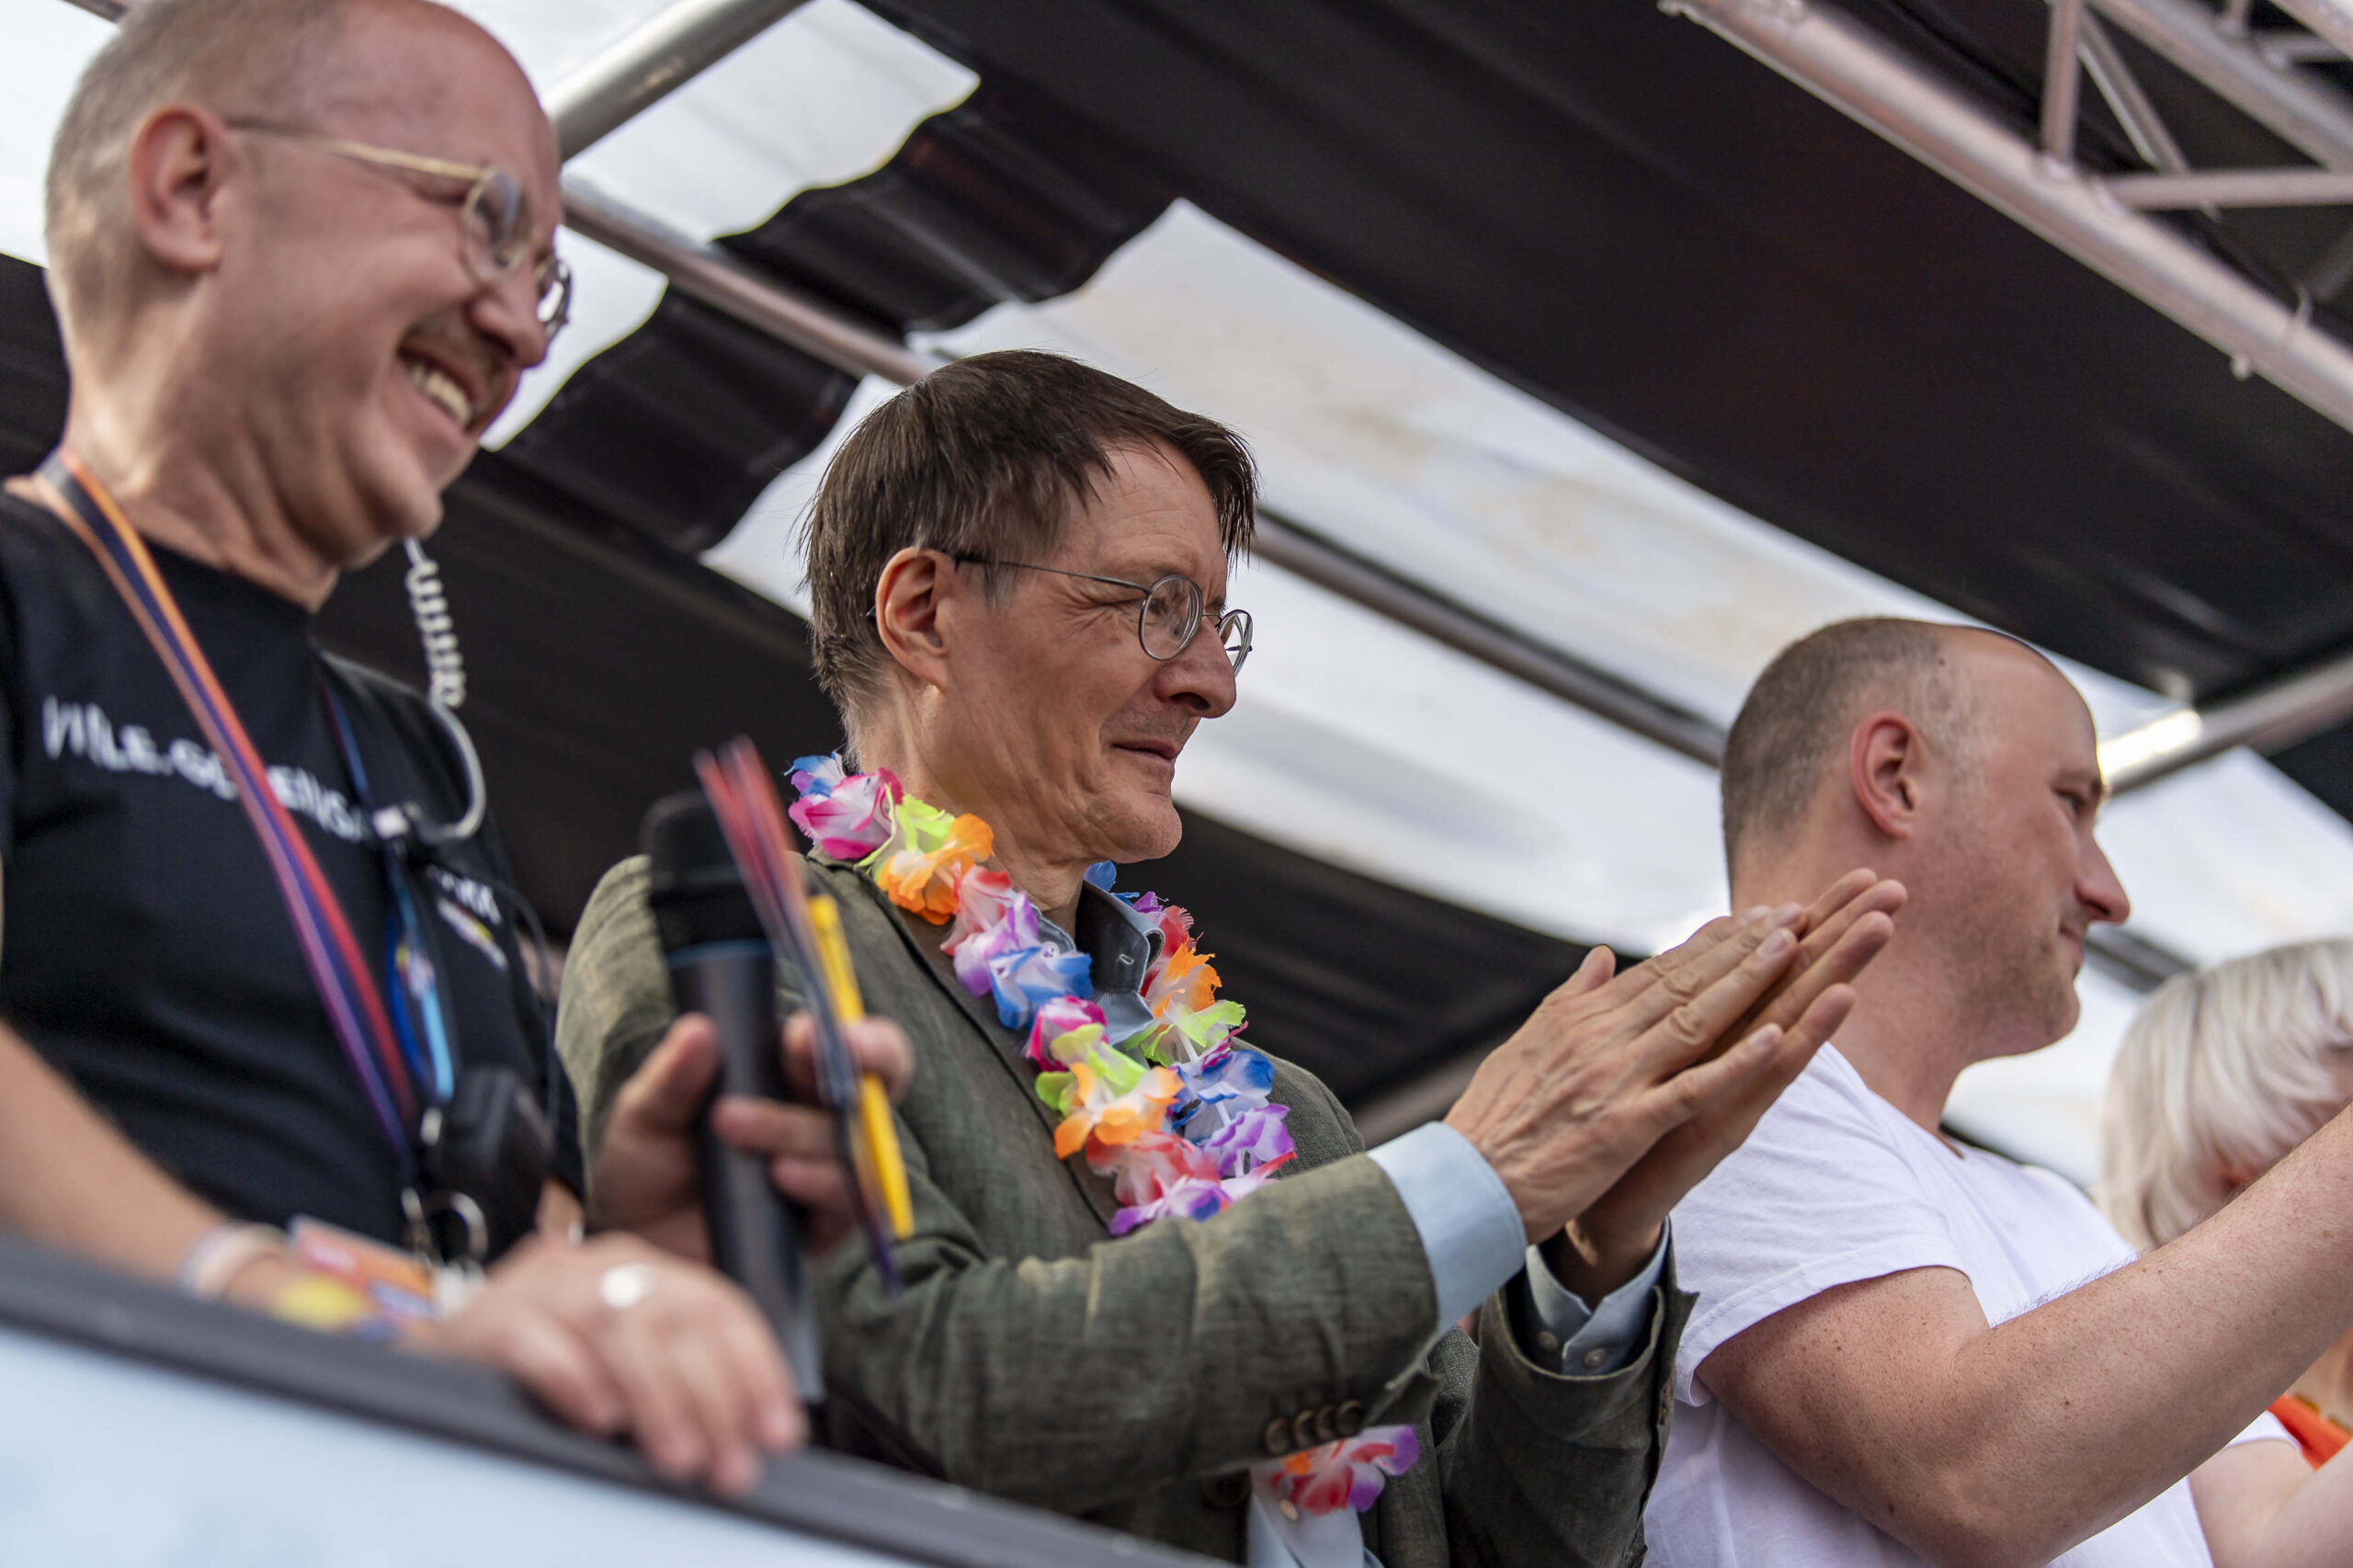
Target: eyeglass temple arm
x,y
413,162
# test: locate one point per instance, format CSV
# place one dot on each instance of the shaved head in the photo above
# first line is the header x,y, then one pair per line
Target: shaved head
x,y
260,58
274,267
1792,730
274,60
1965,765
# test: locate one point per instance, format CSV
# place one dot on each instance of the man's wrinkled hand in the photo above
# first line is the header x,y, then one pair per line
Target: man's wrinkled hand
x,y
1610,1063
616,1338
645,1179
1840,933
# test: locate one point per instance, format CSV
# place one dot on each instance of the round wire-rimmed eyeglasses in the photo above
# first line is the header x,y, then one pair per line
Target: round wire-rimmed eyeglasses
x,y
1169,609
494,215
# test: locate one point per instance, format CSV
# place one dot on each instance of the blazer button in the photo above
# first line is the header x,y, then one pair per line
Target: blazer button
x,y
1277,1437
1303,1430
1350,1419
1324,1432
1229,1491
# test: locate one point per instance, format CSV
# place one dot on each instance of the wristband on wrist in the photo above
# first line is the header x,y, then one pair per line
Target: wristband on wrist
x,y
223,1253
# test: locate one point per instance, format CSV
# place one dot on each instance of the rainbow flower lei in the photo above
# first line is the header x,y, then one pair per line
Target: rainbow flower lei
x,y
1179,1115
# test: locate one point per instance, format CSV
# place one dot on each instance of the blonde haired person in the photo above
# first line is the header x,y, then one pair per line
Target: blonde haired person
x,y
2225,1072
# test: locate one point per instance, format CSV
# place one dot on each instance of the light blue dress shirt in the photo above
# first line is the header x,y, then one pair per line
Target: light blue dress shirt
x,y
1469,1228
1471,1231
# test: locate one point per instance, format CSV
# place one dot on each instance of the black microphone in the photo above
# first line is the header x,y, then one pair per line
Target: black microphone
x,y
720,965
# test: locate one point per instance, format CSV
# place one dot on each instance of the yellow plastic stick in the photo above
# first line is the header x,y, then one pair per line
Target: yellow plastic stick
x,y
832,953
882,1139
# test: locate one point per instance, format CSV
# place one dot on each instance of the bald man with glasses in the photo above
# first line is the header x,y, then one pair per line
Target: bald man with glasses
x,y
261,954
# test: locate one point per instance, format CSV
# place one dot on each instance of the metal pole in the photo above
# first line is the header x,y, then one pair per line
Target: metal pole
x,y
2235,188
2117,84
637,71
2288,711
1855,71
2060,81
651,64
2331,19
2300,107
1464,629
2293,46
708,273
2333,271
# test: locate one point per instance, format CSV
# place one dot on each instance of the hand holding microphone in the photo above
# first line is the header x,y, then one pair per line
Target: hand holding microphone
x,y
645,1179
798,1139
716,1149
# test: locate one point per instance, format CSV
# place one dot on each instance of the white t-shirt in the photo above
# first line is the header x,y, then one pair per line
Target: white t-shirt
x,y
1837,1185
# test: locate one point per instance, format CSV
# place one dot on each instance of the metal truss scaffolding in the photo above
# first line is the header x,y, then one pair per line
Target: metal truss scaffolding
x,y
2102,220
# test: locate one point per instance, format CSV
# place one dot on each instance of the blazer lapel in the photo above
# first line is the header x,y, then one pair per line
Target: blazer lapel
x,y
923,939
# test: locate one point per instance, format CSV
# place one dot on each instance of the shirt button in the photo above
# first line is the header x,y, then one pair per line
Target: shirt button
x,y
1350,1419
1278,1437
1549,1343
1594,1358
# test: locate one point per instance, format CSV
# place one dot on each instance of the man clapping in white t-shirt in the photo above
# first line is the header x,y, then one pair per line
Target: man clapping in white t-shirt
x,y
1908,1350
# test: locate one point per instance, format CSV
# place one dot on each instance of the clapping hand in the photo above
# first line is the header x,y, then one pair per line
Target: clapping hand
x,y
1623,1091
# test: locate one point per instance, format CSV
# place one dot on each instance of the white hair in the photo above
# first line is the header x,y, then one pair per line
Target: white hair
x,y
2224,1070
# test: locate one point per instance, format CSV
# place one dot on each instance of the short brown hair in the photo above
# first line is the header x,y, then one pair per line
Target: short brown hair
x,y
1799,713
986,457
237,57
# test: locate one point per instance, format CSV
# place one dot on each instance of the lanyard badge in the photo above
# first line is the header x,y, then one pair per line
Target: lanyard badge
x,y
485,1145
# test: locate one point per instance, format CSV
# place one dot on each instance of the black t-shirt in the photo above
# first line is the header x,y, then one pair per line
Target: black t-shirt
x,y
145,950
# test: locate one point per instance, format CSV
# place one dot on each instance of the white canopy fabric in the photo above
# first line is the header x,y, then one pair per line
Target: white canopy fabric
x,y
1358,741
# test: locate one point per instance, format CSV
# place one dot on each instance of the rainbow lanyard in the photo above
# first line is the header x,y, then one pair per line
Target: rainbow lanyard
x,y
355,1005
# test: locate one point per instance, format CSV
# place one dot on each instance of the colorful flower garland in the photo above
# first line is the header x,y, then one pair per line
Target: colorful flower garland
x,y
1178,1117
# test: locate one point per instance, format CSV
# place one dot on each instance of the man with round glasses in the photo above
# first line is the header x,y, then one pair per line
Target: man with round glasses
x,y
1169,609
277,1006
1156,1280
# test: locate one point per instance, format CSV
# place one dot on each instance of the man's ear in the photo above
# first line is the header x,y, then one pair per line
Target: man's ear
x,y
1883,765
907,600
177,164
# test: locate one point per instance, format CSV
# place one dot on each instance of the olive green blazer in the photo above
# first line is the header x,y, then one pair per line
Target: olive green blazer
x,y
1132,1382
